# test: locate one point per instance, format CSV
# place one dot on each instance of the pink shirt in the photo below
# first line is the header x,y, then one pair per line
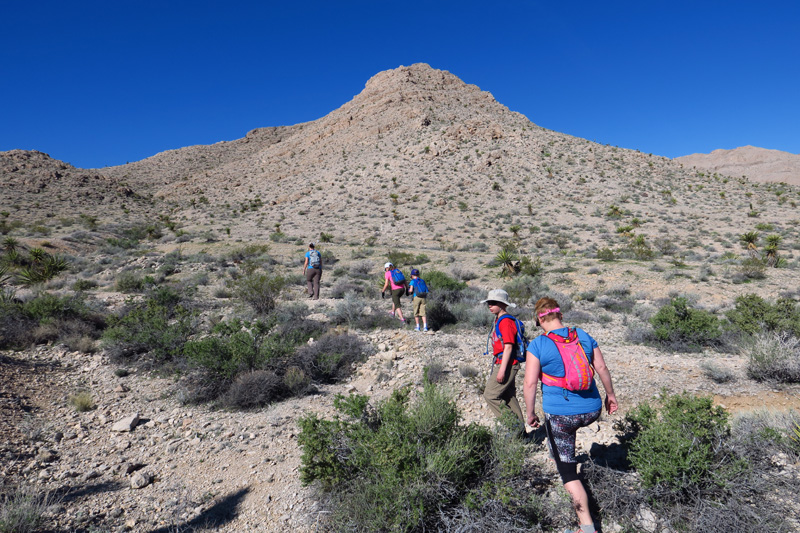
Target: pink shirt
x,y
391,283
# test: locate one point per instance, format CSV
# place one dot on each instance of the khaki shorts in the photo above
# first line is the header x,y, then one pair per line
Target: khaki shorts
x,y
419,306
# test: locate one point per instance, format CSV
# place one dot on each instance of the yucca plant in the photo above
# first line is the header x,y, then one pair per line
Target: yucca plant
x,y
10,244
37,255
5,275
749,240
771,250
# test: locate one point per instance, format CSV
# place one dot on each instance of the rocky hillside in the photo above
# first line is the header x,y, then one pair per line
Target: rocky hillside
x,y
38,186
419,152
757,164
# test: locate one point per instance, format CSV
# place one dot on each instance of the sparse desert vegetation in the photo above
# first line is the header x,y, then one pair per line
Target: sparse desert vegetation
x,y
171,289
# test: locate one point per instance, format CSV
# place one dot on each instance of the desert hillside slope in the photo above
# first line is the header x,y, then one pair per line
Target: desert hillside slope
x,y
417,152
757,164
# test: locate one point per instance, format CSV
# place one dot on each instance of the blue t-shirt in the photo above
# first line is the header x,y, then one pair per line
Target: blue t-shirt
x,y
556,400
308,255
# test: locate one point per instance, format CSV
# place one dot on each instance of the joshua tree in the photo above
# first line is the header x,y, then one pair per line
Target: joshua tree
x,y
749,241
771,250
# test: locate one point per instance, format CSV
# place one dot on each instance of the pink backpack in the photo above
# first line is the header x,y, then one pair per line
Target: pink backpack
x,y
579,374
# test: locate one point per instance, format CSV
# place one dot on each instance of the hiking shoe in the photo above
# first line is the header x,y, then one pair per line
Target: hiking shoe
x,y
425,330
579,530
417,329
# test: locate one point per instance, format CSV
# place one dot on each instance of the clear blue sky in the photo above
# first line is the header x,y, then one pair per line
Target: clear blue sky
x,y
104,83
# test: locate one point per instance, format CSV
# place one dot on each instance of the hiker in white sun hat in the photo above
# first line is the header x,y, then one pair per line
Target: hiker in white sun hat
x,y
507,353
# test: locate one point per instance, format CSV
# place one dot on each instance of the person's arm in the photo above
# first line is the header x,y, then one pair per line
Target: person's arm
x,y
305,265
385,284
532,370
507,349
600,367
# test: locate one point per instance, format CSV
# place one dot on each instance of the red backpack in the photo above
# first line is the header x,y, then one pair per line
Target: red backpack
x,y
579,374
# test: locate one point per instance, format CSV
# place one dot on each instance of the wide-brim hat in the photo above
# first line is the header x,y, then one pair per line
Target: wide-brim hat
x,y
498,295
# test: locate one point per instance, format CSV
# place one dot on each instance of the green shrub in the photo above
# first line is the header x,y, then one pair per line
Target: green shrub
x,y
400,467
260,290
697,474
129,282
437,280
753,314
680,327
680,444
159,325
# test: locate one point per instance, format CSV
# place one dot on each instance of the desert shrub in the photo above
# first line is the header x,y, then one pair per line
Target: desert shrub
x,y
434,372
773,356
403,467
697,473
260,290
749,269
467,371
82,401
255,389
753,314
680,327
362,269
350,310
679,445
332,356
159,325
22,510
717,373
439,312
463,274
340,289
328,258
438,281
84,285
129,282
47,317
524,289
232,348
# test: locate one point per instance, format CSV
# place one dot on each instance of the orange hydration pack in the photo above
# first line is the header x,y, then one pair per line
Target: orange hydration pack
x,y
579,374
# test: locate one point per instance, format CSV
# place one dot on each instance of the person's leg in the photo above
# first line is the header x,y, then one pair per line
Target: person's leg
x,y
580,501
510,394
561,432
310,282
316,278
396,295
497,395
423,313
416,305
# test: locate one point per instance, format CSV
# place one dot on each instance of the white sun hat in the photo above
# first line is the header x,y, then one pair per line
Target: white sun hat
x,y
498,295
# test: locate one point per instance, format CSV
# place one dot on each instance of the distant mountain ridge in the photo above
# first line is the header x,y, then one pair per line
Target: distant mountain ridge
x,y
757,164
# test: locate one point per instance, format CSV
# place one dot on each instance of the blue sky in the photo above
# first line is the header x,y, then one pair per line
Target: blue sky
x,y
104,83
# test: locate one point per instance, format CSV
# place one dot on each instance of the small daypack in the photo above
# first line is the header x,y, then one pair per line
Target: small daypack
x,y
420,288
579,374
521,340
314,259
397,276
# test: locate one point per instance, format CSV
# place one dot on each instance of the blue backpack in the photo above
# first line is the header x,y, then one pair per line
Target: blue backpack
x,y
420,287
397,276
520,342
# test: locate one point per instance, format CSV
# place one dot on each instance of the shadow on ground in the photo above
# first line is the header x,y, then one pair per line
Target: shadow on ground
x,y
216,516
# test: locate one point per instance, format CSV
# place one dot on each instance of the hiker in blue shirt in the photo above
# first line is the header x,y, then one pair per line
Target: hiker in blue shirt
x,y
571,400
312,270
419,290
